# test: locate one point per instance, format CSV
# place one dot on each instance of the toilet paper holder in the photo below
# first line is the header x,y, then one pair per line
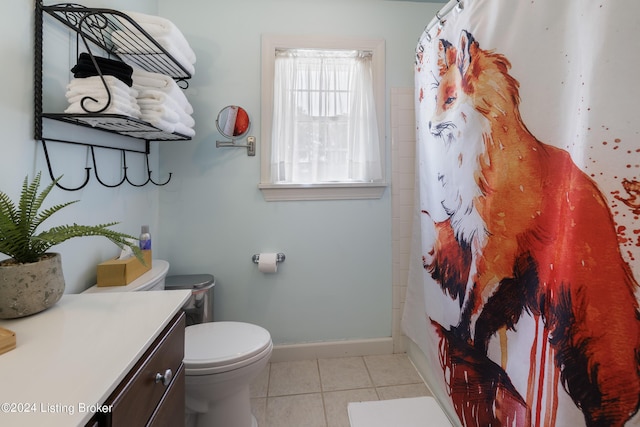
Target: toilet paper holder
x,y
279,258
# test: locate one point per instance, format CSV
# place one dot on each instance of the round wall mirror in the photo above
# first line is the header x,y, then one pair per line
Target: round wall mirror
x,y
233,122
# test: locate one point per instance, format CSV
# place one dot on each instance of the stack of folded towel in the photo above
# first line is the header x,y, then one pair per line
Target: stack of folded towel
x,y
162,30
162,103
149,96
88,86
123,98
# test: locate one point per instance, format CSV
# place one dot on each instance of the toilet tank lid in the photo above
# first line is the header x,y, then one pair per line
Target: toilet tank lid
x,y
189,281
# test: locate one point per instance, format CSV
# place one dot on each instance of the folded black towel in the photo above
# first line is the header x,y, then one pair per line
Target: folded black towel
x,y
108,67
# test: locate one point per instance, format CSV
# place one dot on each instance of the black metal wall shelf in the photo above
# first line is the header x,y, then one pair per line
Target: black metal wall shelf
x,y
98,27
116,123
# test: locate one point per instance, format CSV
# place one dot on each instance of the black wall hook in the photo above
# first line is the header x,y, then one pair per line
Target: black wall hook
x,y
152,181
95,171
95,166
127,178
53,177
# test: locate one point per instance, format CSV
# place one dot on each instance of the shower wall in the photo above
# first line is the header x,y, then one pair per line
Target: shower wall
x,y
403,157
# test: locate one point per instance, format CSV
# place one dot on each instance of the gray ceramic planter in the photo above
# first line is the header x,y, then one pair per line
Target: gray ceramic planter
x,y
27,289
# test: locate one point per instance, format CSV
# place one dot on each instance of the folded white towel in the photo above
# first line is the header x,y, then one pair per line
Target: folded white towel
x,y
171,127
164,99
123,98
162,29
147,79
184,130
177,44
177,97
169,110
173,93
100,92
159,111
94,82
161,124
102,99
125,109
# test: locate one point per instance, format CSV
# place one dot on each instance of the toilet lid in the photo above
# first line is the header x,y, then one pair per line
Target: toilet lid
x,y
217,344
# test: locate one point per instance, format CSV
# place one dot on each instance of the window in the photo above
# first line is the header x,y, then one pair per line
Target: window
x,y
322,118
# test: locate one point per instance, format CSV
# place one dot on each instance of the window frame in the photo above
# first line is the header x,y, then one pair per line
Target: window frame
x,y
325,191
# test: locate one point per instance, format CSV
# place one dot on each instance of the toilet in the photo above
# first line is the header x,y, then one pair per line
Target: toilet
x,y
221,358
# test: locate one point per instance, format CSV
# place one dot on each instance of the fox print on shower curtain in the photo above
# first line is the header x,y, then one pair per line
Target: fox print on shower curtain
x,y
529,219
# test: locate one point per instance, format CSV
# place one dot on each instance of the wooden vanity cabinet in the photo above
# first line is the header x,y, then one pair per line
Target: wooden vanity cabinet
x,y
152,393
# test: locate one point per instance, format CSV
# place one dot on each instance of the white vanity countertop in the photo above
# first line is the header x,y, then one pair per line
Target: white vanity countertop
x,y
73,355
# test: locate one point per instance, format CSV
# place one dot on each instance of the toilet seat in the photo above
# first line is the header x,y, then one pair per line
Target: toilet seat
x,y
216,347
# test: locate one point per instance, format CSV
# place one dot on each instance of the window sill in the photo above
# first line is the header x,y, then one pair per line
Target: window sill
x,y
342,191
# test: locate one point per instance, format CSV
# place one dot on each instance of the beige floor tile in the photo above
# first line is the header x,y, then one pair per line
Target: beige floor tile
x,y
297,377
344,373
316,393
304,410
391,369
260,385
336,402
402,391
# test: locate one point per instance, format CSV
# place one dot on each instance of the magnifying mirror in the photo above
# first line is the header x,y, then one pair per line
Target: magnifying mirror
x,y
233,122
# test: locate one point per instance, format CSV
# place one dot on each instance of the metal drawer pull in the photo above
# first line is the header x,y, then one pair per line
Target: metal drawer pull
x,y
164,379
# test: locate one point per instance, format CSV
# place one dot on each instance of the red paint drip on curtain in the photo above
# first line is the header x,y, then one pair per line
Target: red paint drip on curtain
x,y
543,362
552,397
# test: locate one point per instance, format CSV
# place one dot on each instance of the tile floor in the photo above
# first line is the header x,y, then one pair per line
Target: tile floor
x,y
315,393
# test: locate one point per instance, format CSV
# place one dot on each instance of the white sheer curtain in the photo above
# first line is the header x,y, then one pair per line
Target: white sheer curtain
x,y
324,118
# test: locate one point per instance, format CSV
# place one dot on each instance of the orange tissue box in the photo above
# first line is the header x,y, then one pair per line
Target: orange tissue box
x,y
121,272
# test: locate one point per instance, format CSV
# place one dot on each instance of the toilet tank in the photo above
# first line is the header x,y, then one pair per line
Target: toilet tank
x,y
152,280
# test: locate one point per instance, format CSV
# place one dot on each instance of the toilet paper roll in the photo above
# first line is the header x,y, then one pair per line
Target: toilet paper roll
x,y
267,263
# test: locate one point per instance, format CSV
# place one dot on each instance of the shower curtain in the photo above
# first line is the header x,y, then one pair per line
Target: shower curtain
x,y
523,283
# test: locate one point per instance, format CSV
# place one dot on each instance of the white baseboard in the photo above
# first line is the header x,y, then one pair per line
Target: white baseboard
x,y
329,349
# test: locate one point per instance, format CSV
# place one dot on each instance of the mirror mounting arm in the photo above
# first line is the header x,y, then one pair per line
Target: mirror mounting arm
x,y
250,145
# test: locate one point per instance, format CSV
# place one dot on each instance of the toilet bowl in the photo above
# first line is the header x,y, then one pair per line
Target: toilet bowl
x,y
218,376
221,360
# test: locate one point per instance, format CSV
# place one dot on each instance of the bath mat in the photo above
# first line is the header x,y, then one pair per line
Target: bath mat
x,y
410,412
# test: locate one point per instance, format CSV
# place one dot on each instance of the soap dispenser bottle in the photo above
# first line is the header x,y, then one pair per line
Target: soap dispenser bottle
x,y
145,238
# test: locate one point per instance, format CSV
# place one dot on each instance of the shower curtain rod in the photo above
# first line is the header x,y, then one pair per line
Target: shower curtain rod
x,y
439,18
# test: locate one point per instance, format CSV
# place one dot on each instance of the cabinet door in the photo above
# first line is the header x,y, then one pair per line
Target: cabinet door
x,y
138,396
170,412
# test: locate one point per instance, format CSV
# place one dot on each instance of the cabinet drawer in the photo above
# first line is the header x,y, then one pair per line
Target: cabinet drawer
x,y
138,395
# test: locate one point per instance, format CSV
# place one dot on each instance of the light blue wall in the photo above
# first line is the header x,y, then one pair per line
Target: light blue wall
x,y
336,281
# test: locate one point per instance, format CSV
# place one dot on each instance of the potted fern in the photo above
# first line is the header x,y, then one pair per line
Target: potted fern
x,y
31,280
